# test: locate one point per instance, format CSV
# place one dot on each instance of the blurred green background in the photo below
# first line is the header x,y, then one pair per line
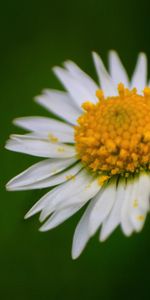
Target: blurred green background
x,y
36,35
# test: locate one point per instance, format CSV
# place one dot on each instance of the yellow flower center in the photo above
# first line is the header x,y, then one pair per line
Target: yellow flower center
x,y
113,135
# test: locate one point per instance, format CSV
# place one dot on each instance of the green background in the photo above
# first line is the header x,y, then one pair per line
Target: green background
x,y
36,35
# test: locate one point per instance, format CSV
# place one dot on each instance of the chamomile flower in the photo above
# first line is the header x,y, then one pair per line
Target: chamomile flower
x,y
99,153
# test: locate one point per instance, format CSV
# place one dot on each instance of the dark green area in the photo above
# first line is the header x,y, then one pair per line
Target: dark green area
x,y
35,35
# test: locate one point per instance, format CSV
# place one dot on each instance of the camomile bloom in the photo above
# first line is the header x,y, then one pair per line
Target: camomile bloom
x,y
97,152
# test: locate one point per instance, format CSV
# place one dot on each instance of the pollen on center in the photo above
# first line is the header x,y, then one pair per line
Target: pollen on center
x,y
113,135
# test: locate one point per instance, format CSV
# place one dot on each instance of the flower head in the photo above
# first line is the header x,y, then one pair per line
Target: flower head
x,y
99,153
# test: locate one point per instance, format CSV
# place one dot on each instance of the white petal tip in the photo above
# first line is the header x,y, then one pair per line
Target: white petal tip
x,y
37,99
56,70
74,257
106,233
27,216
16,121
94,52
142,55
41,219
97,58
77,251
103,237
143,58
75,254
126,232
91,230
30,214
7,146
43,228
138,230
113,51
67,62
94,55
10,186
112,54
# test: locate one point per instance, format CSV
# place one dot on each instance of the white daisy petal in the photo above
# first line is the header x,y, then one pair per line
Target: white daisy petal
x,y
102,206
40,173
64,190
41,148
56,136
105,80
139,204
53,180
86,80
60,216
56,179
139,78
78,91
81,235
38,206
137,218
61,104
114,218
47,128
42,124
144,192
117,70
52,137
76,191
94,215
88,191
126,225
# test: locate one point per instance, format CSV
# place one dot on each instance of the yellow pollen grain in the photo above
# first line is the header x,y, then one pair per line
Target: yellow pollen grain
x,y
103,179
113,135
135,203
52,138
140,218
68,177
60,149
100,95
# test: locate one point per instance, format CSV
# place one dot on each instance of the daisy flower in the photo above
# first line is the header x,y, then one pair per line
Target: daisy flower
x,y
96,152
